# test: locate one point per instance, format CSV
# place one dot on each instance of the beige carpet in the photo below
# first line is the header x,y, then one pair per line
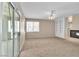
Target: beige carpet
x,y
49,47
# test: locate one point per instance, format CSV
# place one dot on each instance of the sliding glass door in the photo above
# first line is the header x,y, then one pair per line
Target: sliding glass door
x,y
7,30
10,31
16,33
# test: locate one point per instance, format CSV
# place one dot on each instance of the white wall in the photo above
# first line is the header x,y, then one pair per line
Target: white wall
x,y
75,23
46,30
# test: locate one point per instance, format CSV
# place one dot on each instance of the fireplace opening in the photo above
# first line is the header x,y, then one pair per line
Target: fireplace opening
x,y
74,33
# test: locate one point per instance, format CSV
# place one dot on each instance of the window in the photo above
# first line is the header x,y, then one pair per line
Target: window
x,y
32,26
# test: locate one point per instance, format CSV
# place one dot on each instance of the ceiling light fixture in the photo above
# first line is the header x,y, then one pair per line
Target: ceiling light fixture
x,y
52,15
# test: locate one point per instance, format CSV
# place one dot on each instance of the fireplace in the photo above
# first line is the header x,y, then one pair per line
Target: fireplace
x,y
74,33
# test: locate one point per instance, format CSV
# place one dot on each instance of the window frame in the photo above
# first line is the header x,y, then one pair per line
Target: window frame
x,y
33,27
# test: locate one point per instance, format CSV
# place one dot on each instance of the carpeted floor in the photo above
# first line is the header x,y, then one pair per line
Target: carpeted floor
x,y
49,47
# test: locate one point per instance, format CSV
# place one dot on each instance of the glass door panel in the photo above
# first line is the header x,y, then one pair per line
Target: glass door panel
x,y
7,30
5,18
16,34
10,30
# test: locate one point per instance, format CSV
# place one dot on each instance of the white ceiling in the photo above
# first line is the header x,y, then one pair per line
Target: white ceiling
x,y
41,10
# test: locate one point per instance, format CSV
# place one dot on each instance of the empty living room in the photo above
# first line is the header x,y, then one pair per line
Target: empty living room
x,y
39,29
